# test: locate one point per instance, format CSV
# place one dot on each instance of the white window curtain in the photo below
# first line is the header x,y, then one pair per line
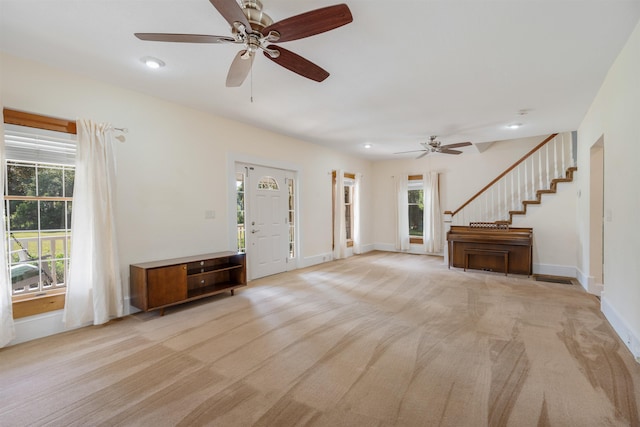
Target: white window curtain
x,y
432,214
340,228
356,214
401,202
94,288
7,329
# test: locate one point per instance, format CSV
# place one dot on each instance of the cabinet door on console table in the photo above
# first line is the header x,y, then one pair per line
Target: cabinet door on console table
x,y
166,285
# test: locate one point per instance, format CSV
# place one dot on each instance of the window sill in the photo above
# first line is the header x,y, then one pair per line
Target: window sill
x,y
30,305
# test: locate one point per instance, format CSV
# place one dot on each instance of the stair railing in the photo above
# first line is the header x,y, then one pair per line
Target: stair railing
x,y
532,173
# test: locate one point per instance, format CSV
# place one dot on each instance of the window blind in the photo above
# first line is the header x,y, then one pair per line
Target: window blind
x,y
38,145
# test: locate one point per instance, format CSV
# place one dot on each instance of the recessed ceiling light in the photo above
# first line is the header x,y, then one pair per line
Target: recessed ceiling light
x,y
514,125
368,145
151,62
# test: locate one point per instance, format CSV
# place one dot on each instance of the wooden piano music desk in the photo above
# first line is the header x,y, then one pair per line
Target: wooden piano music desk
x,y
491,248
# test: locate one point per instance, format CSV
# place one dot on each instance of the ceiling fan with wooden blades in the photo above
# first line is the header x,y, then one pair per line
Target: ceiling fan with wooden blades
x,y
255,30
435,146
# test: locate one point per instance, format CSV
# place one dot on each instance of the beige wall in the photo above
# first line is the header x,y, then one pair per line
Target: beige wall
x,y
462,176
613,116
174,165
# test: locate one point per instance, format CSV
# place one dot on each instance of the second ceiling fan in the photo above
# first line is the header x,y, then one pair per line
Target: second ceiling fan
x,y
255,30
435,146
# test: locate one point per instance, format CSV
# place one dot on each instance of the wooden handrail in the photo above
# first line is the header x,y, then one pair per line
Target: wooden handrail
x,y
21,118
509,169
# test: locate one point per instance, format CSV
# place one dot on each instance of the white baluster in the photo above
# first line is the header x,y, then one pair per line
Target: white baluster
x,y
505,210
496,216
548,164
563,163
512,192
519,201
540,170
555,156
572,162
533,178
475,209
493,203
486,206
526,176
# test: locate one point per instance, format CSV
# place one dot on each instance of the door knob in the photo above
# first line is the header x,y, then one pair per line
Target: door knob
x,y
254,231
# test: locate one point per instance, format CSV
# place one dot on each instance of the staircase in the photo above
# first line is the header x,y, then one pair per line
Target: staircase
x,y
538,172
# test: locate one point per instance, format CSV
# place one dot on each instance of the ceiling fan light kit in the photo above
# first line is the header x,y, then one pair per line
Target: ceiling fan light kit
x,y
255,30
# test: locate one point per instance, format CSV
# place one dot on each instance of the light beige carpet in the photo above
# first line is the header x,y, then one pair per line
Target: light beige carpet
x,y
376,340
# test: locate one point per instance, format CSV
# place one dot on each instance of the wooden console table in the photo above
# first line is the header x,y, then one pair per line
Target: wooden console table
x,y
159,284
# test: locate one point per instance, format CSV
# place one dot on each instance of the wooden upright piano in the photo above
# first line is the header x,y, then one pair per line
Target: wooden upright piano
x,y
491,247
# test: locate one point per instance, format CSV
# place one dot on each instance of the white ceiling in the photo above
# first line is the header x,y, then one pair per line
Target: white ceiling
x,y
401,71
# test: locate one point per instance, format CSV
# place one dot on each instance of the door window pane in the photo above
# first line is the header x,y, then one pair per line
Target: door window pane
x,y
268,183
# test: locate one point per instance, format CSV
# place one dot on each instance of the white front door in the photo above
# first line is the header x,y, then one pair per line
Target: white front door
x,y
267,228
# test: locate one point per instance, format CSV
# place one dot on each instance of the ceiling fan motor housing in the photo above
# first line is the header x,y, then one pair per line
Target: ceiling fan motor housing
x,y
257,18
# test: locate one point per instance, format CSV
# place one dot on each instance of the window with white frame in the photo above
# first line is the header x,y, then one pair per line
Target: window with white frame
x,y
38,196
415,190
349,208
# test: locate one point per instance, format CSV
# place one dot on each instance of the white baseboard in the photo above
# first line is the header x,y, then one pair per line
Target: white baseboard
x,y
50,323
367,248
316,259
629,337
38,326
595,288
589,283
328,256
555,270
414,249
583,279
385,247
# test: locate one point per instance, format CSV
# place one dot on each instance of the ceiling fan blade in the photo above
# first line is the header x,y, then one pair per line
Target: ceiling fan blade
x,y
412,151
239,69
297,64
447,151
422,155
232,12
183,38
310,23
456,145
